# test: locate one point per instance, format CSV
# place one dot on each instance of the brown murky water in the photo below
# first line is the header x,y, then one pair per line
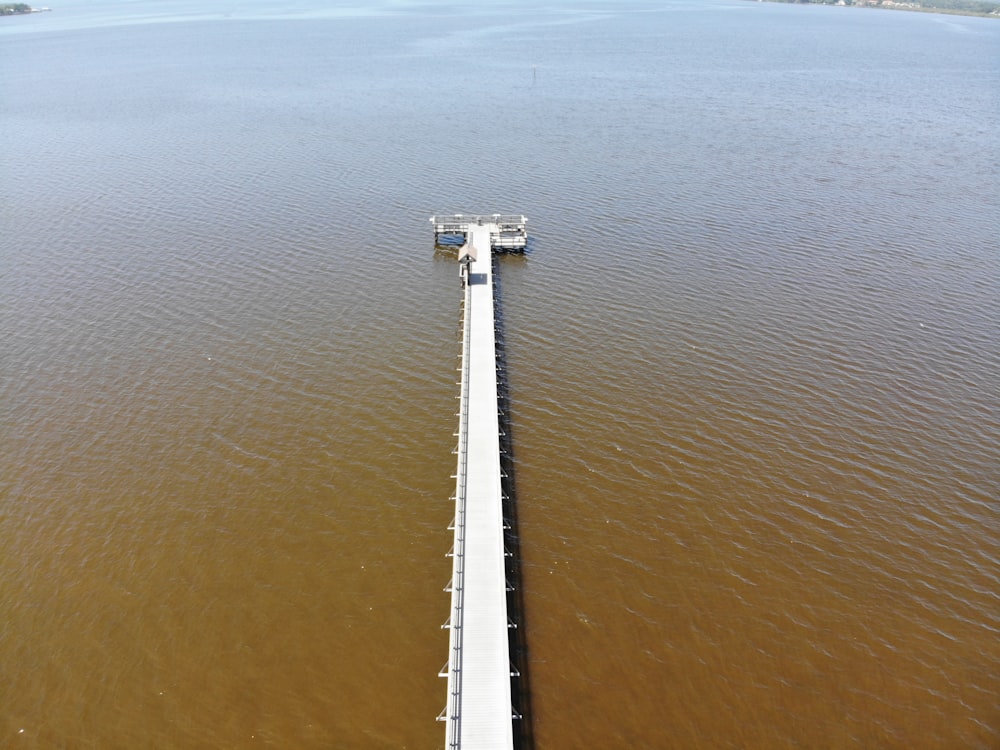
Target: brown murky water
x,y
753,357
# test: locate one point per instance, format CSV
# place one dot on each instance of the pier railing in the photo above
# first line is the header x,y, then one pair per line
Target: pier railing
x,y
459,221
507,231
453,671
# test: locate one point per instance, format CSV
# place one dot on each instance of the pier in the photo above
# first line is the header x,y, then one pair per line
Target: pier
x,y
506,231
479,711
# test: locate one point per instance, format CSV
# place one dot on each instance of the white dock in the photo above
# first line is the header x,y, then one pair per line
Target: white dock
x,y
507,231
479,712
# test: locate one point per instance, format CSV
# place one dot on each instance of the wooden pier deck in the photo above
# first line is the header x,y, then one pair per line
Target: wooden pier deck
x,y
479,711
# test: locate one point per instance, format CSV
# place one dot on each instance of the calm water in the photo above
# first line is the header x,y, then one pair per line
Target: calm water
x,y
754,355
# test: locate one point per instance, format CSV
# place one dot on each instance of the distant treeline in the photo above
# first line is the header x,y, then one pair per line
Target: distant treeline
x,y
10,9
973,7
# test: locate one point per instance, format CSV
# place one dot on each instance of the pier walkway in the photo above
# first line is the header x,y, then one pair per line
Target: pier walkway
x,y
479,711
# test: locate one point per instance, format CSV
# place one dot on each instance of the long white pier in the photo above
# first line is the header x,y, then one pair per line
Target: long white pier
x,y
479,712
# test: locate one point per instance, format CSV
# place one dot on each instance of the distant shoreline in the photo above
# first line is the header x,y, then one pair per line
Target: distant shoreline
x,y
19,9
979,8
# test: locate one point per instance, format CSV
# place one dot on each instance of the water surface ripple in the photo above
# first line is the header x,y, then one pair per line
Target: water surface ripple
x,y
752,352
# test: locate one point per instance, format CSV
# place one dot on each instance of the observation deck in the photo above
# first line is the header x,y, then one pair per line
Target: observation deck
x,y
506,231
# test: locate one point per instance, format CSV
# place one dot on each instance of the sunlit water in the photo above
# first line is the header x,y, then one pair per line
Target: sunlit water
x,y
753,351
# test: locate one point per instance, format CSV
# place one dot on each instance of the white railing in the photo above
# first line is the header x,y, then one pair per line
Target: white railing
x,y
458,222
453,711
507,231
